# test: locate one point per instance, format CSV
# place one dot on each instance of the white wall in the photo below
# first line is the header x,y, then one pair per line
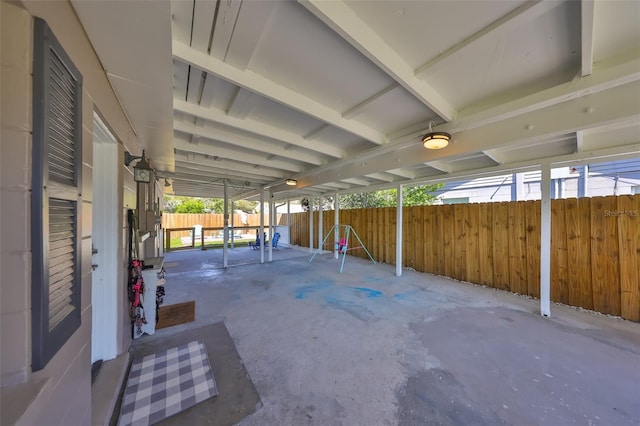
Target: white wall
x,y
60,393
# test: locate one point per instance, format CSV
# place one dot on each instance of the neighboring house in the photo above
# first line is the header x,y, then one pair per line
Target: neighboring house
x,y
599,179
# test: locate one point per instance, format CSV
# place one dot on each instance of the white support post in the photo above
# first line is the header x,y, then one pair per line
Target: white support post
x,y
271,225
310,224
583,181
225,229
261,234
545,241
320,227
399,232
232,224
336,232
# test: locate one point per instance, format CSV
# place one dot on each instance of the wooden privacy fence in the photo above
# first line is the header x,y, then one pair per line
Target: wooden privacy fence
x,y
189,220
595,246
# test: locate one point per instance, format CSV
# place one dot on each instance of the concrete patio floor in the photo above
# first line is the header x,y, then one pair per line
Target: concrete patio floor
x,y
367,348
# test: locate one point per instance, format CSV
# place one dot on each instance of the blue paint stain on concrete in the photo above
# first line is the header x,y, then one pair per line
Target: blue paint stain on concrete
x,y
401,296
320,285
369,292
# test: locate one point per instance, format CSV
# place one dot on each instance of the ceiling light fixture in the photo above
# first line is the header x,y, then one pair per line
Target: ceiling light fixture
x,y
435,140
291,182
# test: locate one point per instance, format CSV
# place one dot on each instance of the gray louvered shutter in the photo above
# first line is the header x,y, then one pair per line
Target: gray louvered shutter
x,y
62,259
56,197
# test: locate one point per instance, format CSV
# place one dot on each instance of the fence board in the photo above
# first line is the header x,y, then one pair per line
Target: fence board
x,y
416,239
472,221
345,219
390,234
500,245
378,241
533,222
485,251
439,253
406,223
604,255
428,231
628,232
559,279
421,240
578,225
460,256
517,248
449,240
415,244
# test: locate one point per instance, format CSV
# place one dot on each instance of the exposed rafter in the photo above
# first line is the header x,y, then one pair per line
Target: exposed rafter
x,y
528,11
351,112
385,177
616,105
223,152
257,128
241,105
343,20
495,155
607,75
579,141
440,165
407,174
587,36
197,171
260,84
246,142
357,181
315,133
235,166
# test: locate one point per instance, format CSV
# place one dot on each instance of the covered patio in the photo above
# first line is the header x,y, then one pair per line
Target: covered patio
x,y
368,347
112,104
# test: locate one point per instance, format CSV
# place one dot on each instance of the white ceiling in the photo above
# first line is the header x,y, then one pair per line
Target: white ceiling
x,y
337,93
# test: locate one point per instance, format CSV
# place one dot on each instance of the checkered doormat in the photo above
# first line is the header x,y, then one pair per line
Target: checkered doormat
x,y
165,383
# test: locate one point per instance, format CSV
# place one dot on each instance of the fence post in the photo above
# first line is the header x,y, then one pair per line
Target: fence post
x,y
193,237
202,239
167,243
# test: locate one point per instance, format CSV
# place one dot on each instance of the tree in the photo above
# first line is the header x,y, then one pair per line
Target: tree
x,y
192,205
420,195
327,203
171,202
213,205
411,196
245,206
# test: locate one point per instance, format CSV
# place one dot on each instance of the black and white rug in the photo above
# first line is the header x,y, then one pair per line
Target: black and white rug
x,y
166,383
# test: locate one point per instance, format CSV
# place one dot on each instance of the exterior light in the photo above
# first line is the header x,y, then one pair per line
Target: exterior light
x,y
436,140
142,171
291,182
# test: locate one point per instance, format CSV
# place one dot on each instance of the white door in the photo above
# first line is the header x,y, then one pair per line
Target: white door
x,y
105,237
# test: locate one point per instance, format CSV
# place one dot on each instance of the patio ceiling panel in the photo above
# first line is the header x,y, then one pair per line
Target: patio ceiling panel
x,y
337,94
245,141
224,151
198,172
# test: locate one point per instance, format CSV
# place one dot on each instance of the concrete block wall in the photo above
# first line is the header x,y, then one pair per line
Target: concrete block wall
x,y
15,154
60,393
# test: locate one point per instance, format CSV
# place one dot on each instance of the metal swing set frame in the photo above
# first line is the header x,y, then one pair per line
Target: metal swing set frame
x,y
342,245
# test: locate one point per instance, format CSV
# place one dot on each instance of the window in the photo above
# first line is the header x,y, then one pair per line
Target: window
x,y
56,197
460,200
